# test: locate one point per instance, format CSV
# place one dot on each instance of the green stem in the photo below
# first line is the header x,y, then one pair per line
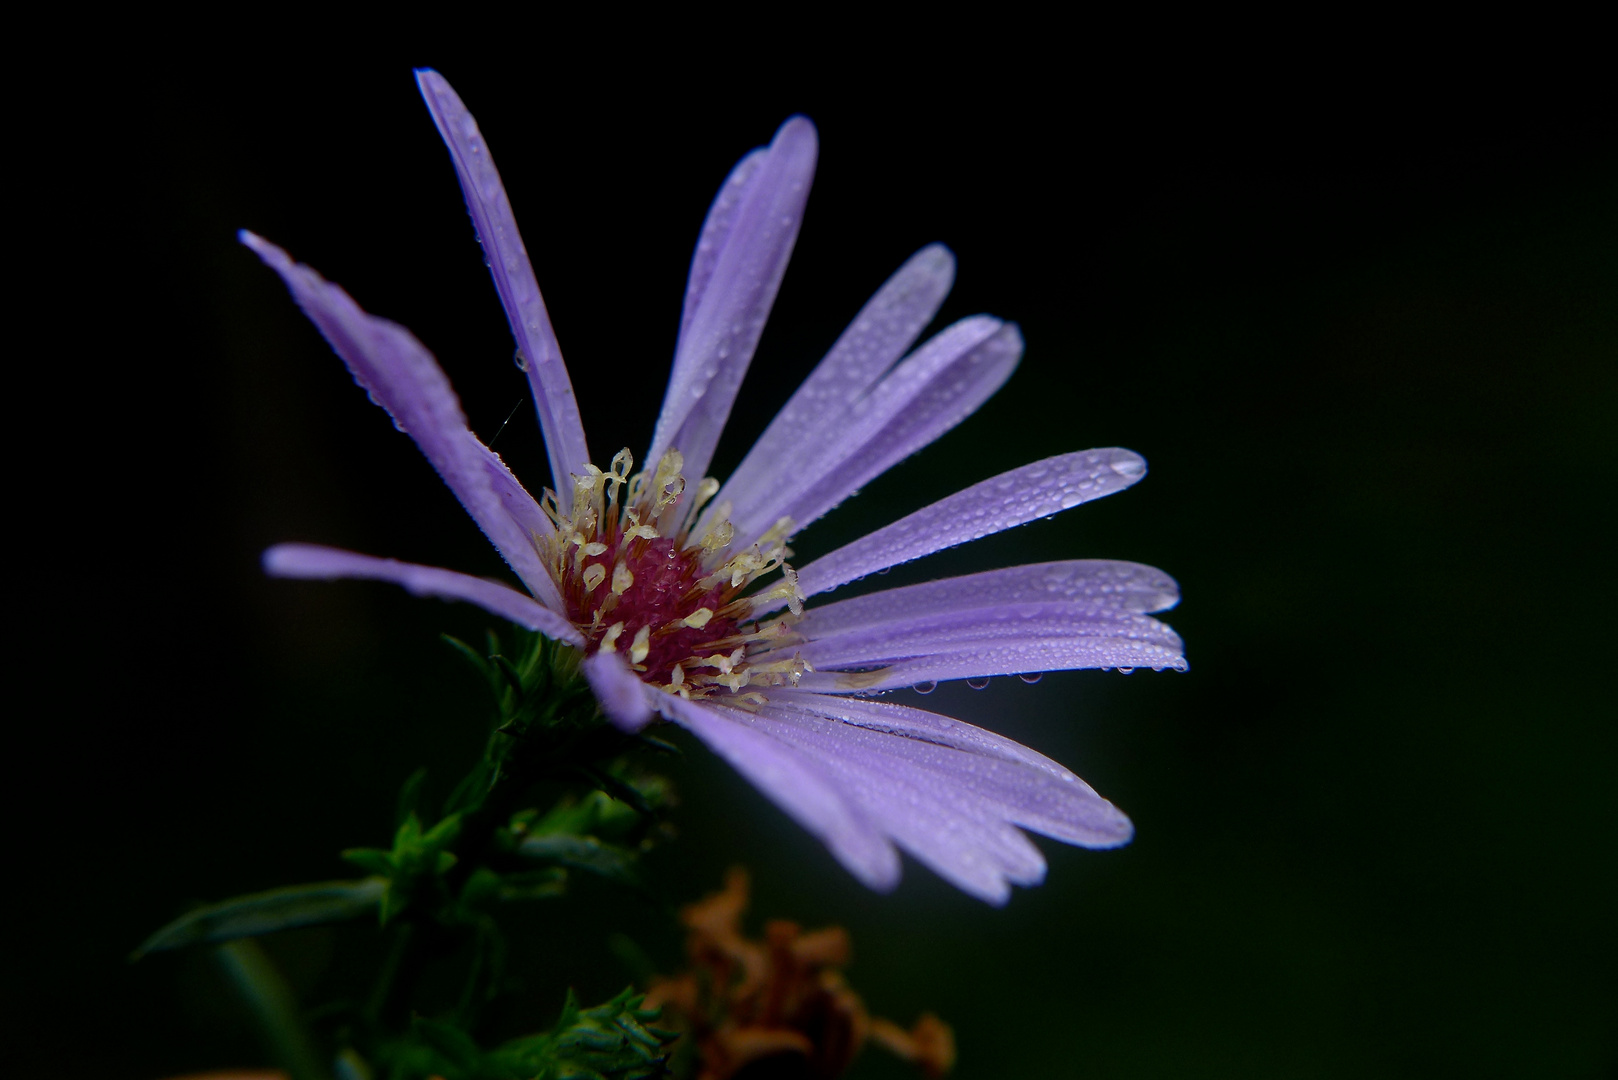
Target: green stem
x,y
274,1008
403,932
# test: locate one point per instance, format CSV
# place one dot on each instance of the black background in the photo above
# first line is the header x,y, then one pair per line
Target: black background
x,y
1364,335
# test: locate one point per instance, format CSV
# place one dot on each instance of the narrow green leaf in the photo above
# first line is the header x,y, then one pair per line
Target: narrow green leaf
x,y
583,853
449,1040
266,912
275,1008
443,833
375,860
466,652
410,795
513,676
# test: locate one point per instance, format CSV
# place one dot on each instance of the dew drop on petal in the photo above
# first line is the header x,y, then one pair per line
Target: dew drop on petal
x,y
978,684
520,360
925,687
1129,468
1125,670
1070,499
1031,677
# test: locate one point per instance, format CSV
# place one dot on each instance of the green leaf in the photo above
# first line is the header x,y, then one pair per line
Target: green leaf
x,y
274,1007
544,884
467,653
512,675
583,853
266,912
448,1040
410,795
444,833
375,860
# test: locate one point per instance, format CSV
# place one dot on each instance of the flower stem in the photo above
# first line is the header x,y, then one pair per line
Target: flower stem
x,y
274,1008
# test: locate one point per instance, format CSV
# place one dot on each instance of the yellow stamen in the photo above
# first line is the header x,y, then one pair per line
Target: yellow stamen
x,y
641,646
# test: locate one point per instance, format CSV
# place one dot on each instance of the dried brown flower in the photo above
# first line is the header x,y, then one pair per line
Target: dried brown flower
x,y
781,1000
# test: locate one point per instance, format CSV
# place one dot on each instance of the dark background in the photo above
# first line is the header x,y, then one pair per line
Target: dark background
x,y
1366,341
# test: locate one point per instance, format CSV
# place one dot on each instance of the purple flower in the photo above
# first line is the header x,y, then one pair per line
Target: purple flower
x,y
676,587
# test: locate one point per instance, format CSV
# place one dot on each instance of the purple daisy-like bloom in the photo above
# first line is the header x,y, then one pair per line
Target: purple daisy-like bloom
x,y
679,595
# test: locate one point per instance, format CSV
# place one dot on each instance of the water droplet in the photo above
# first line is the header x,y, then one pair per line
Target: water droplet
x,y
1031,677
520,360
1125,670
1070,499
1130,468
978,684
884,570
925,687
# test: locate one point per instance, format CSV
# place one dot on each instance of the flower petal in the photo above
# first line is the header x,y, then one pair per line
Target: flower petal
x,y
512,495
715,231
911,638
886,326
795,784
1002,502
1097,584
749,239
326,564
619,690
957,833
514,279
938,386
997,656
401,375
1032,790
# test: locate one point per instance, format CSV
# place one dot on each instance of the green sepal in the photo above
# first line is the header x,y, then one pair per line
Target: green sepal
x,y
267,912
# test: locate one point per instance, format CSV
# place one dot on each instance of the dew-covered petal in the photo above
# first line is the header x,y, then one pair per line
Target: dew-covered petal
x,y
621,694
960,835
924,726
912,637
520,505
514,280
796,784
1094,584
996,656
750,235
1028,788
313,561
886,326
716,229
401,376
932,390
999,503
